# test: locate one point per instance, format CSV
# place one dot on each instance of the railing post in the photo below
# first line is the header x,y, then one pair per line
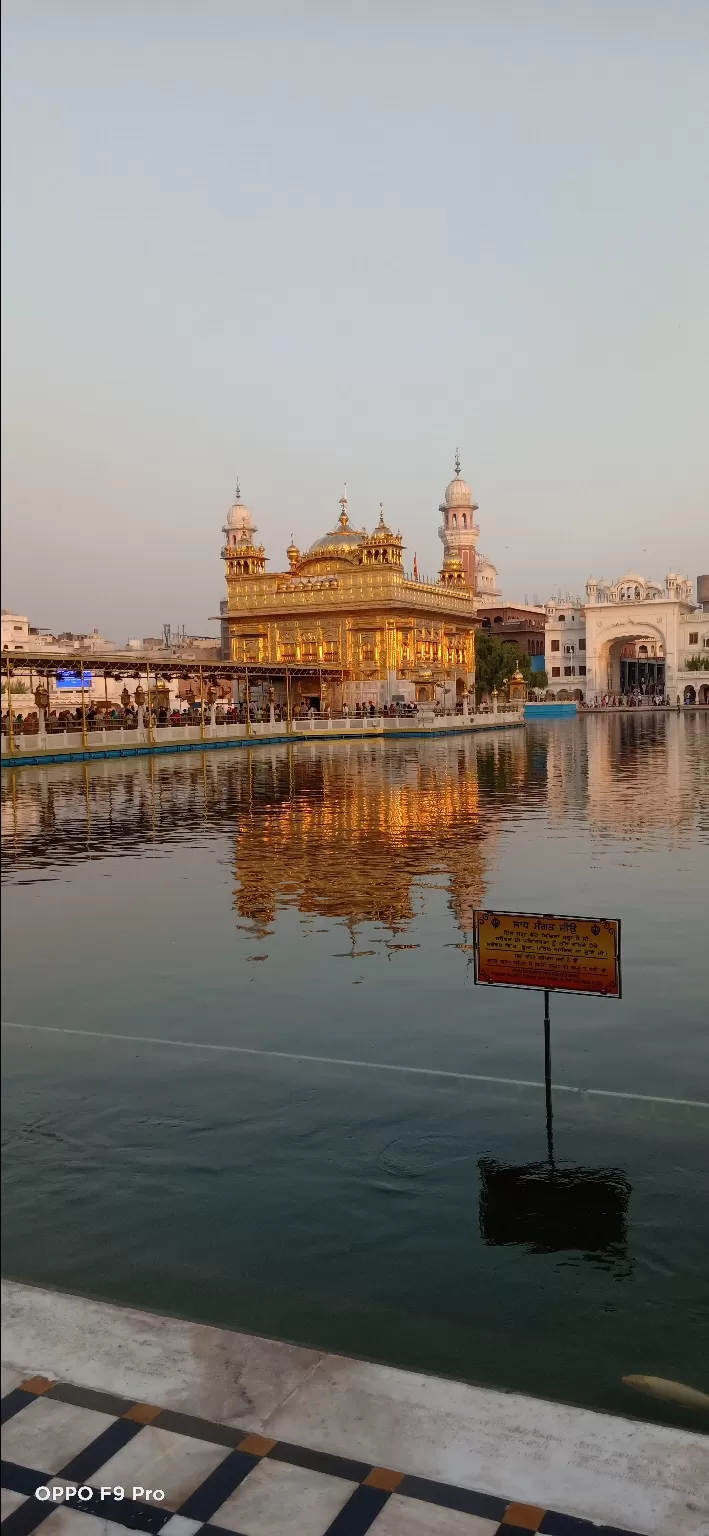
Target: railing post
x,y
10,726
84,733
201,703
151,738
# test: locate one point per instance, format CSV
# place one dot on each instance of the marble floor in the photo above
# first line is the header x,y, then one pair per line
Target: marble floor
x,y
114,1417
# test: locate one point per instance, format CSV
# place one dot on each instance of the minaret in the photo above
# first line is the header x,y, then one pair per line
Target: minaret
x,y
459,531
238,519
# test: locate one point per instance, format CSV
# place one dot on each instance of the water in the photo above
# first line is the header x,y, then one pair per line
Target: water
x,y
317,901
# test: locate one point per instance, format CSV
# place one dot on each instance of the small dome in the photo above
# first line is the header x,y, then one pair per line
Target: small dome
x,y
382,529
239,516
459,494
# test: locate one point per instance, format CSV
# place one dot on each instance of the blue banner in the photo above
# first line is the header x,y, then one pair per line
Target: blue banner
x,y
73,680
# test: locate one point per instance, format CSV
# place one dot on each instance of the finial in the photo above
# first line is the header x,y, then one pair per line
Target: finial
x,y
381,515
457,462
238,490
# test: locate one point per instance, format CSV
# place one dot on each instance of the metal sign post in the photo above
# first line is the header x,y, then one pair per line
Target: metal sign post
x,y
547,1079
541,951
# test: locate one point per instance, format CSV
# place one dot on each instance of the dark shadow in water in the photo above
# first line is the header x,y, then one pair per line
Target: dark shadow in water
x,y
556,1209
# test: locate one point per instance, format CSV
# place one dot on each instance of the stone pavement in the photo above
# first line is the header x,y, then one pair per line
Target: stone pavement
x,y
118,1418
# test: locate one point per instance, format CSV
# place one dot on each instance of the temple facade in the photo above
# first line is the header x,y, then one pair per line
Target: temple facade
x,y
346,604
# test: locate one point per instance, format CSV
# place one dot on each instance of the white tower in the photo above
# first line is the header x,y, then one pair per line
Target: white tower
x,y
459,531
459,535
238,522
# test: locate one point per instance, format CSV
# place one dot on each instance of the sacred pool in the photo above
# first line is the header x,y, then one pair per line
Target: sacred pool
x,y
250,1079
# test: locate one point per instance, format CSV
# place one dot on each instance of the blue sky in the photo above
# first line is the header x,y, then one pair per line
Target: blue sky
x,y
314,243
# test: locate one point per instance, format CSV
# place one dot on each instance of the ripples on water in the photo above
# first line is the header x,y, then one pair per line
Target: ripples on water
x,y
240,898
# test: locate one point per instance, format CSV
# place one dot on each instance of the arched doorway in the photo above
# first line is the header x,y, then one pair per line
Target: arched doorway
x,y
690,695
704,693
632,662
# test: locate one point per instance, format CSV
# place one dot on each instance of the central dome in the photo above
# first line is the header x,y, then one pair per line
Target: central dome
x,y
343,540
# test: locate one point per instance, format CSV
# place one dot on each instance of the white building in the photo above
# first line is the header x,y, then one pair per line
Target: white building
x,y
629,633
565,647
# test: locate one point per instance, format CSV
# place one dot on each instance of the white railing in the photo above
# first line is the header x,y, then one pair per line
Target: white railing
x,y
173,735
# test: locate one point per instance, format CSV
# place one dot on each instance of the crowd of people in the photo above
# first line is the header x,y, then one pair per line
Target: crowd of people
x,y
633,700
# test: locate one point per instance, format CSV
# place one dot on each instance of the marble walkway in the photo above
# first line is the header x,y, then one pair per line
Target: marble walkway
x,y
118,1418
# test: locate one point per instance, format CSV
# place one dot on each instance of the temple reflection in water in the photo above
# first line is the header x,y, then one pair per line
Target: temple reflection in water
x,y
344,831
348,830
360,826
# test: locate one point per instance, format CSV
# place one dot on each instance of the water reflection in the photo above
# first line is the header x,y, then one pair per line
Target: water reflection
x,y
345,832
552,1208
397,817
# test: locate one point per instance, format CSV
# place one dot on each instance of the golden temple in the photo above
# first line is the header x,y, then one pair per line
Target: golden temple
x,y
347,606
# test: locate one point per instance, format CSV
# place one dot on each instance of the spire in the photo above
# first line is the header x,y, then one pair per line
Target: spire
x,y
381,515
457,462
237,496
343,519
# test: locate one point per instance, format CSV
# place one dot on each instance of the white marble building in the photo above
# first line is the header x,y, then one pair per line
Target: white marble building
x,y
565,647
628,633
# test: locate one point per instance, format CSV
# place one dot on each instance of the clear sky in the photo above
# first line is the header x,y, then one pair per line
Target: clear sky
x,y
312,242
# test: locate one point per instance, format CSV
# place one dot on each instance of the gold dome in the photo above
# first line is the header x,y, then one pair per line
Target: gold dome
x,y
342,540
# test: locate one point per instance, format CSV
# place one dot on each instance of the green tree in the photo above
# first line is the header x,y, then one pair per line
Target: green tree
x,y
496,660
697,664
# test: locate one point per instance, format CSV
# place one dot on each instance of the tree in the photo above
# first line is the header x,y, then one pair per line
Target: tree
x,y
496,660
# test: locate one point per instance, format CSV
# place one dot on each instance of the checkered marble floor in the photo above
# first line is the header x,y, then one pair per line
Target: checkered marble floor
x,y
85,1446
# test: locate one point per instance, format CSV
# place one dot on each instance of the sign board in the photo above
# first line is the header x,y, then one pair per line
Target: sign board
x,y
73,680
553,954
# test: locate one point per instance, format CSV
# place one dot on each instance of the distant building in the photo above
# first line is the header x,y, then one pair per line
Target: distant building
x,y
19,635
521,625
565,647
15,631
629,634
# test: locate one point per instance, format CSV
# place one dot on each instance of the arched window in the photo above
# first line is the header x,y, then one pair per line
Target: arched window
x,y
465,521
454,521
